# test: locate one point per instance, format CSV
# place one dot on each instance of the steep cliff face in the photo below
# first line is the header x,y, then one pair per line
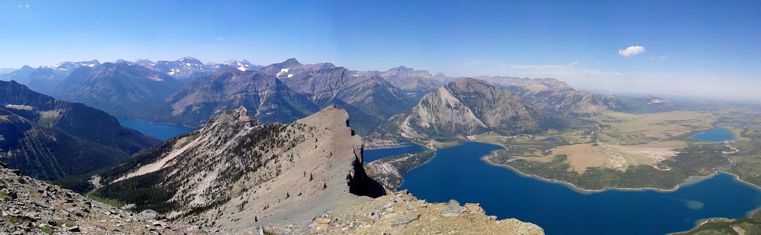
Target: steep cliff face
x,y
466,107
242,169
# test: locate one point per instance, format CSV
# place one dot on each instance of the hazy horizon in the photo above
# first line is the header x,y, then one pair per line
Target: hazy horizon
x,y
681,48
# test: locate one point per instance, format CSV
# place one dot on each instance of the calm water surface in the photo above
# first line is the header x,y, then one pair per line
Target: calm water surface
x,y
459,173
714,135
159,130
375,154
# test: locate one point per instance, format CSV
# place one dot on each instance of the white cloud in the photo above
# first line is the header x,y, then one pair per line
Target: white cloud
x,y
24,6
631,51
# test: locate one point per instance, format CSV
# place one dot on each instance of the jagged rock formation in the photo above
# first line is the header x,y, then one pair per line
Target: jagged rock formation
x,y
235,168
50,139
122,89
466,107
31,206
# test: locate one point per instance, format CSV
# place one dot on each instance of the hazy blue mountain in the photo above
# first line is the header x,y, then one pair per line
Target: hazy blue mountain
x,y
45,78
265,96
242,65
552,95
415,83
361,94
122,89
183,68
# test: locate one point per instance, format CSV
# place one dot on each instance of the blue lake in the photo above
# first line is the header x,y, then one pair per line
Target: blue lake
x,y
159,130
459,173
370,155
714,135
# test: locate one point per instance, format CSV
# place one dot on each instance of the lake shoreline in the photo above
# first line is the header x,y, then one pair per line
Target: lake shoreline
x,y
689,181
540,184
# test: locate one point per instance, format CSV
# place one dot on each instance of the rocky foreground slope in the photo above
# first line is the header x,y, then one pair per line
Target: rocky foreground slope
x,y
31,206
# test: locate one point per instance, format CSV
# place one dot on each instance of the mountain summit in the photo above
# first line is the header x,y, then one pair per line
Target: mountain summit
x,y
469,106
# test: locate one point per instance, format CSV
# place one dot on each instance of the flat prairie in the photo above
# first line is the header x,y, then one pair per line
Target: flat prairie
x,y
629,129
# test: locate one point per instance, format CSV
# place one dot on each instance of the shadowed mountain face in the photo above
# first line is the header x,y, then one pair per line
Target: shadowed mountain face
x,y
361,94
122,89
267,98
466,107
49,138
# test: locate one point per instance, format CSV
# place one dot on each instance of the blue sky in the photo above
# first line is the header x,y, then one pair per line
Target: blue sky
x,y
706,48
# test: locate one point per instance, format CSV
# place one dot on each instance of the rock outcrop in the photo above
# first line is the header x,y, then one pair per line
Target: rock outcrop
x,y
402,213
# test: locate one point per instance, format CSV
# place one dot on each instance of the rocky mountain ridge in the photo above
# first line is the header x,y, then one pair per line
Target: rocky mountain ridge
x,y
236,175
467,107
235,168
50,139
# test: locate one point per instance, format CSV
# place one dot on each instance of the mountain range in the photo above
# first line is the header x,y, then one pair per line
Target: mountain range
x,y
122,89
188,92
267,97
